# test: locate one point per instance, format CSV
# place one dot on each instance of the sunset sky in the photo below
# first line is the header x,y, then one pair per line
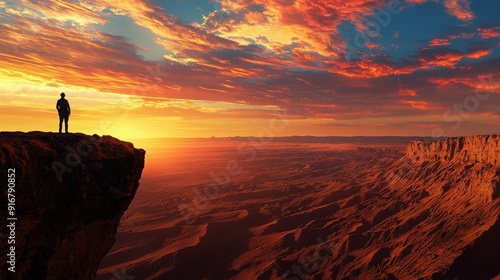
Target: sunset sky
x,y
186,68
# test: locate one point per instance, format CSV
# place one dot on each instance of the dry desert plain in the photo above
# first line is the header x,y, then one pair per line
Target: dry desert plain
x,y
302,209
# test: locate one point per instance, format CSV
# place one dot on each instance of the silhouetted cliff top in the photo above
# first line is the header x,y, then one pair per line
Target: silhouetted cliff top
x,y
70,192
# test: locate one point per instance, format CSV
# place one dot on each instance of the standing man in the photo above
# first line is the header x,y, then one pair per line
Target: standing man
x,y
64,112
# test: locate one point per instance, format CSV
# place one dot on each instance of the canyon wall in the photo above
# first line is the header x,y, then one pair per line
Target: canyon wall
x,y
471,149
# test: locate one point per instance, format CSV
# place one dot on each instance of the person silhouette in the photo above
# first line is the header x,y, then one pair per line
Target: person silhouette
x,y
64,111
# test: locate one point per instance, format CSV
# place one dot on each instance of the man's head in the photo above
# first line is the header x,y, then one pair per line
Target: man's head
x,y
63,95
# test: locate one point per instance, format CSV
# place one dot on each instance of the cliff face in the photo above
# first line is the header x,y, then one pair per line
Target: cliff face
x,y
68,193
456,183
472,149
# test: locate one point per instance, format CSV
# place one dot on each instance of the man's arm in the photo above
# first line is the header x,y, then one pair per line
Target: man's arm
x,y
57,105
69,109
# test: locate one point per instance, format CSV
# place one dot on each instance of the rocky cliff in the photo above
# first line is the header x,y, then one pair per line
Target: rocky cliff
x,y
62,200
472,149
450,190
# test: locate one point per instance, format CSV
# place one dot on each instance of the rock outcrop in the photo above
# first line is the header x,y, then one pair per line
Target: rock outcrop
x,y
69,193
456,183
471,149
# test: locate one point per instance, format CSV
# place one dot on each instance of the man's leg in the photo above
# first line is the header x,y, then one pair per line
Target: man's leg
x,y
60,123
66,123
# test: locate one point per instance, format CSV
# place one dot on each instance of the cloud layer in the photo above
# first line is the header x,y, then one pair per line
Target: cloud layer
x,y
261,54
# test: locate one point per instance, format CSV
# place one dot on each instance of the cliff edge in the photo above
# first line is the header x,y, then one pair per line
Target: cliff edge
x,y
470,149
62,200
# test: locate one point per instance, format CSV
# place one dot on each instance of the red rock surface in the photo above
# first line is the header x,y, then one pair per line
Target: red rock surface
x,y
65,228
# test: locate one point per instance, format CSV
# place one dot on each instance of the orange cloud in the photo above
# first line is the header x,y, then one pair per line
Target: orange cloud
x,y
459,9
487,83
487,33
374,46
439,42
451,59
421,105
58,10
299,27
407,92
